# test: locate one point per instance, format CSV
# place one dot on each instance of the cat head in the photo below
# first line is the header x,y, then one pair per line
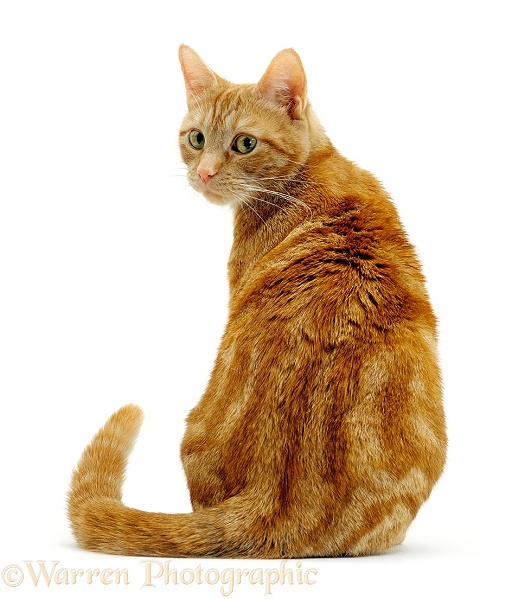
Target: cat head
x,y
239,139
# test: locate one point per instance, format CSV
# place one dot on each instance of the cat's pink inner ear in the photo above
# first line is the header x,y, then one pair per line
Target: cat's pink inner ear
x,y
284,82
198,76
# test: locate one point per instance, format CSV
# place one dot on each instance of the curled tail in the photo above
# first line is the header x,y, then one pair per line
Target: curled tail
x,y
101,522
100,471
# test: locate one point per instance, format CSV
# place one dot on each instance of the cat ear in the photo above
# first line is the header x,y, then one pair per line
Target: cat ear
x,y
284,82
198,76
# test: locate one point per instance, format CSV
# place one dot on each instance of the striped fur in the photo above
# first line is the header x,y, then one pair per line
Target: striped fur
x,y
321,432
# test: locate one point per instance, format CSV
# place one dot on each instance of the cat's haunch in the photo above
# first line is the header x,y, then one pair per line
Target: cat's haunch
x,y
321,431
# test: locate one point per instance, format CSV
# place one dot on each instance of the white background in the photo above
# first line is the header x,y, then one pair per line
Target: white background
x,y
112,271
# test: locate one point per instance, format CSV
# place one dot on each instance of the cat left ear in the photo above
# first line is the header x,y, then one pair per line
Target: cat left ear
x,y
198,76
284,83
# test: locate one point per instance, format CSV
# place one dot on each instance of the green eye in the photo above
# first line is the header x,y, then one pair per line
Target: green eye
x,y
196,139
244,144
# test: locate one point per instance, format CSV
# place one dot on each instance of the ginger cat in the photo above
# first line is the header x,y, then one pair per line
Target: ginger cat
x,y
321,431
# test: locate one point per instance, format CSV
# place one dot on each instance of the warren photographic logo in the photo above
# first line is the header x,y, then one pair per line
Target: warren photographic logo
x,y
154,574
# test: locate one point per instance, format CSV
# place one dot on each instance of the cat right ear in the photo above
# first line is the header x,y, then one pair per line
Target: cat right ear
x,y
284,83
198,76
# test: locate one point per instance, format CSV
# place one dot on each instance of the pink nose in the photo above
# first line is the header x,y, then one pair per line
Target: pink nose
x,y
206,174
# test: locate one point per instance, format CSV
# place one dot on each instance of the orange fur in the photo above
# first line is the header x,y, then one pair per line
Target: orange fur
x,y
321,431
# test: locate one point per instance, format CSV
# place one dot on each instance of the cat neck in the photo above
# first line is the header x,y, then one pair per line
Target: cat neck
x,y
326,184
286,206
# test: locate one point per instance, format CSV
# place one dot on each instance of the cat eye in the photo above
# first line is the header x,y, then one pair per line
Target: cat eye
x,y
244,144
196,139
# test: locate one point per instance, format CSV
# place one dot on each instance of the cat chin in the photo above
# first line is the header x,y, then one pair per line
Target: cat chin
x,y
216,198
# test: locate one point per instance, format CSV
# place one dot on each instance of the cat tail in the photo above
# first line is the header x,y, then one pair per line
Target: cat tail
x,y
101,522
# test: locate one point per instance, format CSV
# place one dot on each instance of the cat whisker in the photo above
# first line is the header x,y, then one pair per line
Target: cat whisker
x,y
294,179
243,202
259,199
175,173
280,194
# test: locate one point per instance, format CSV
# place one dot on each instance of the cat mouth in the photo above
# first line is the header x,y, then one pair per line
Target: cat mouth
x,y
211,194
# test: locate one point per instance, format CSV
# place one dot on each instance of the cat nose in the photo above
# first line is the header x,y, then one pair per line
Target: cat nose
x,y
206,173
